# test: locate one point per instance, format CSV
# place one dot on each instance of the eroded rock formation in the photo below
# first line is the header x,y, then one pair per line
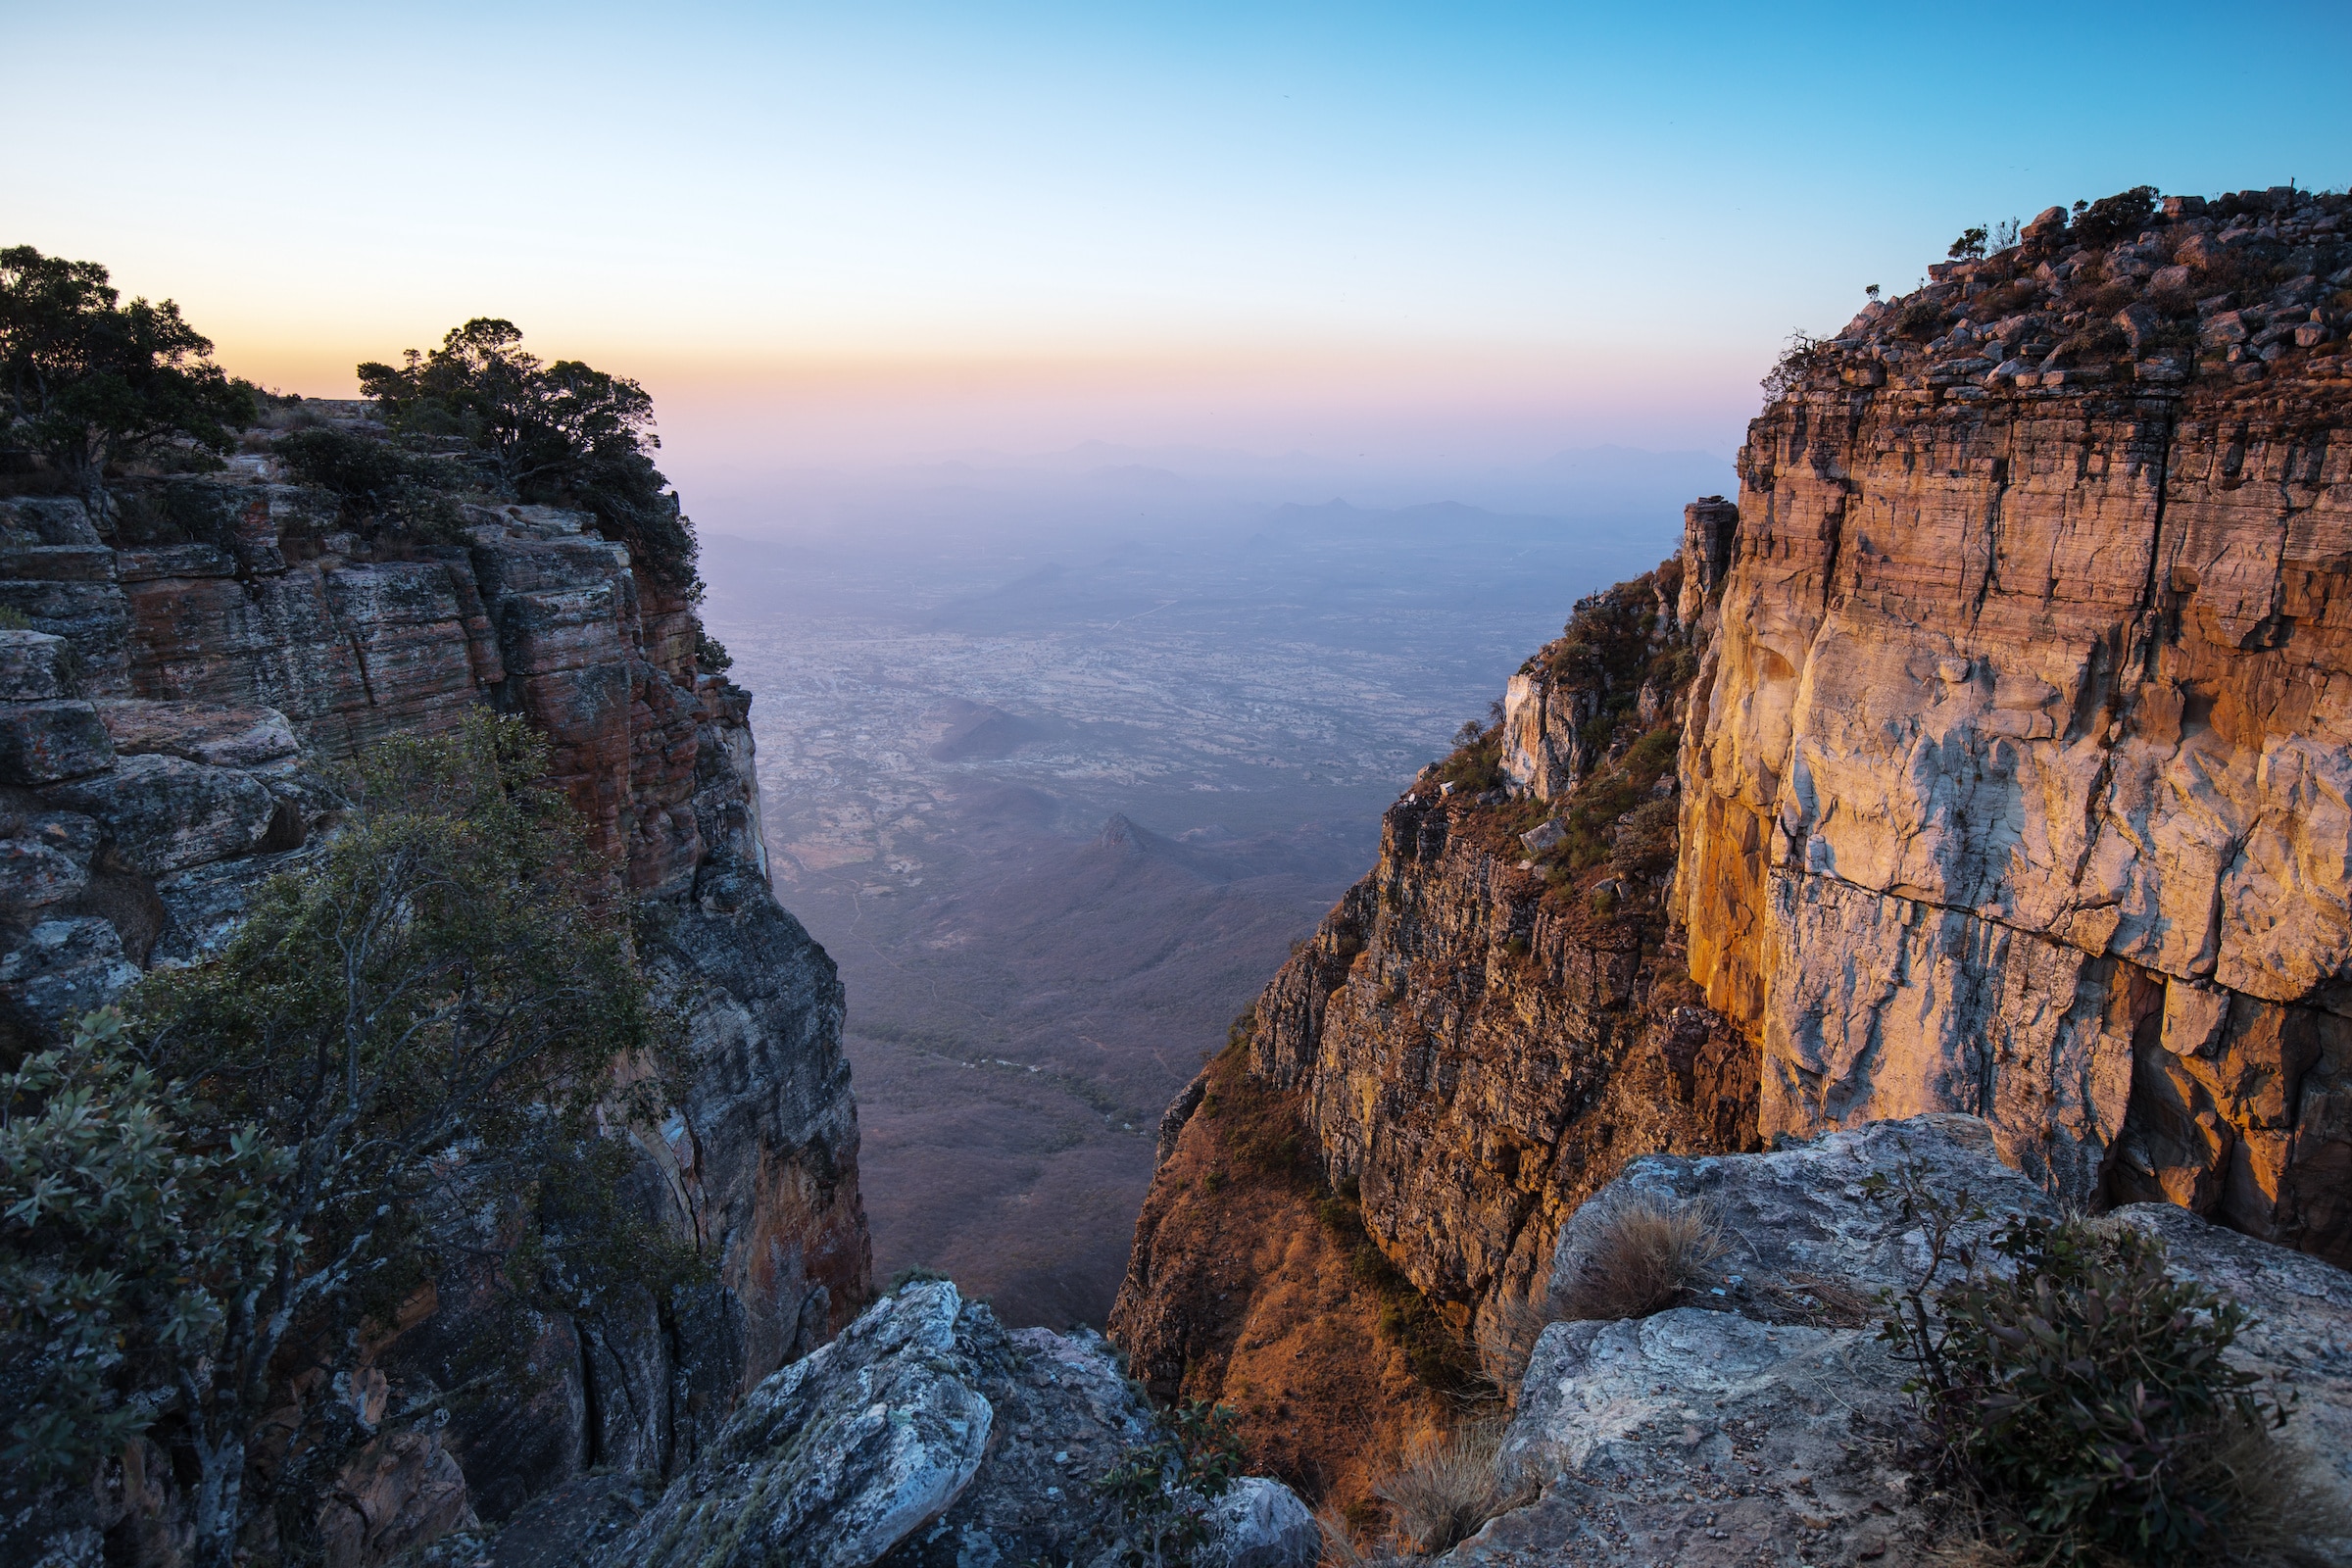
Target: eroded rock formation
x,y
1985,753
2016,781
169,725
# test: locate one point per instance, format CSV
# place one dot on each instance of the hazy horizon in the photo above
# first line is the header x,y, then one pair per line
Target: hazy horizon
x,y
1439,239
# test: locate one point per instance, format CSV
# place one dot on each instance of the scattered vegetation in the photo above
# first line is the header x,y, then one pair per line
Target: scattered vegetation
x,y
1434,1352
1804,356
558,434
398,1065
1162,1487
2113,218
2083,1394
1641,1257
1445,1489
381,488
90,383
710,655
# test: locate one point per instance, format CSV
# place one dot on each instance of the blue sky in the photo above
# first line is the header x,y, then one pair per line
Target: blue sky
x,y
851,230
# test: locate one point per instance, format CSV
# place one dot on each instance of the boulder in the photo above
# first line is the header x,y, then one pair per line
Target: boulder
x,y
41,743
64,968
1799,1221
926,1436
1259,1523
1544,836
836,1458
221,735
164,814
34,666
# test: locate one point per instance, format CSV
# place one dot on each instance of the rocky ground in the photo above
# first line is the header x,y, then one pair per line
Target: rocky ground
x,y
1765,1426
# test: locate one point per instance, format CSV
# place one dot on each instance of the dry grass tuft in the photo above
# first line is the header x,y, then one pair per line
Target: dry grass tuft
x,y
1642,1256
1445,1489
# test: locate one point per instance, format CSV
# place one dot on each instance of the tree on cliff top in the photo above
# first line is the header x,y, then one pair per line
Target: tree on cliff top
x,y
399,1065
562,434
88,382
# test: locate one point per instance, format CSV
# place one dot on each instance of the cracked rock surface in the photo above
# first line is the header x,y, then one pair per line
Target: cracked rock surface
x,y
1760,1429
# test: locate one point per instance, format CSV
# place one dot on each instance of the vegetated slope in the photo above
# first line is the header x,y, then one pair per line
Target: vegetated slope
x,y
232,641
1474,1040
1998,740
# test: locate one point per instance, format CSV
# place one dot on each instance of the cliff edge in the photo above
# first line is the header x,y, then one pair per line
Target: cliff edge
x,y
180,680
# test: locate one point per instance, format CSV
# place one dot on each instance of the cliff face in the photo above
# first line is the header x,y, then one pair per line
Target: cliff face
x,y
1480,1033
175,708
1988,755
2017,776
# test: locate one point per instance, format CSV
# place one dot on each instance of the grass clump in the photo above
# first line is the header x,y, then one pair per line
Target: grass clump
x,y
2084,1396
1445,1489
1641,1257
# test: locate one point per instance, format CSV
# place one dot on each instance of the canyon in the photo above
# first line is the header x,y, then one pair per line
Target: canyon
x,y
1968,794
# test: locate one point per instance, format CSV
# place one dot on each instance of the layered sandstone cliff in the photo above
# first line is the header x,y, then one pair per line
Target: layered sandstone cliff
x,y
1998,740
173,712
2017,777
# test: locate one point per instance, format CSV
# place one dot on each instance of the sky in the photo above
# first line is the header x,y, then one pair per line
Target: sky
x,y
1447,233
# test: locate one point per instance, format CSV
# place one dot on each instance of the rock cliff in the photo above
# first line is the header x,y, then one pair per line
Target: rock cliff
x,y
2017,771
1768,1424
1985,754
174,698
1480,1033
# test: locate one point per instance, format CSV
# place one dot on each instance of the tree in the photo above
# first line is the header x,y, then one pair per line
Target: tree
x,y
1970,246
397,1061
562,434
90,383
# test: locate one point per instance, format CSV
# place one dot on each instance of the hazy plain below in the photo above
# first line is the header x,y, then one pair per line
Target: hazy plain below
x,y
1058,758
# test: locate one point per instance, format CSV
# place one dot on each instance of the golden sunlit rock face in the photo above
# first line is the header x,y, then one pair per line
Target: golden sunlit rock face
x,y
2016,782
1986,753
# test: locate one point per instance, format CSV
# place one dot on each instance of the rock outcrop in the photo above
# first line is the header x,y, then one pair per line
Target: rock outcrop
x,y
2015,778
1769,1425
925,1436
171,718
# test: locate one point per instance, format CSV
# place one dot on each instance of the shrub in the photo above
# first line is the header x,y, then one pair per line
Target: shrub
x,y
1921,321
1970,246
2083,1393
1803,356
1161,1487
2113,218
1642,1256
1445,1489
378,486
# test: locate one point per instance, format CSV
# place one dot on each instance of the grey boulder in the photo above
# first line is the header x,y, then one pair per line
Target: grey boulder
x,y
835,1459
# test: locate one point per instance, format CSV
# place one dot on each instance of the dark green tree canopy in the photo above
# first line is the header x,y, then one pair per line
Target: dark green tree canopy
x,y
562,434
89,382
